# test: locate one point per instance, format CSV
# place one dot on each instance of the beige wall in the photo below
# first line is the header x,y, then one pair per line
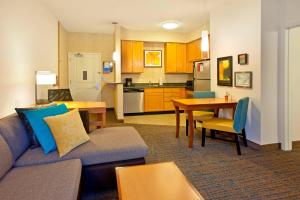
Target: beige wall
x,y
29,42
89,43
63,58
235,28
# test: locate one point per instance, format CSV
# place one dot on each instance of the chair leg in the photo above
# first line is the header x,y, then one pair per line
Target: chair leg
x,y
195,124
187,127
203,137
244,137
237,144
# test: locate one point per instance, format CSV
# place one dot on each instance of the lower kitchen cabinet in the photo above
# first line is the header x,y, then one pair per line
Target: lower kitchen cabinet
x,y
160,99
153,99
172,93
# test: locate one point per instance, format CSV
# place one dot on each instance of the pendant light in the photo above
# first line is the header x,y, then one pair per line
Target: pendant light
x,y
204,42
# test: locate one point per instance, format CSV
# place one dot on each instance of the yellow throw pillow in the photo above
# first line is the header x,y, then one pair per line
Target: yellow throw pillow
x,y
67,130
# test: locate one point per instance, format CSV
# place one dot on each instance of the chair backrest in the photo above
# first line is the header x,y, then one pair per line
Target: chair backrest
x,y
204,94
59,95
240,115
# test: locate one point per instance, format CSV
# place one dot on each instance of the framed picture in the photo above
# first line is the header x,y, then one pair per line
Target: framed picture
x,y
152,58
243,79
243,59
225,71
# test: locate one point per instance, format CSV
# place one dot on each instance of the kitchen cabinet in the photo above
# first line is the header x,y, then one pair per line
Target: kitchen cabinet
x,y
160,99
132,56
181,58
172,93
175,58
193,54
153,99
170,58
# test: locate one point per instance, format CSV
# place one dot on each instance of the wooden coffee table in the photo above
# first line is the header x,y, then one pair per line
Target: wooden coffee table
x,y
154,181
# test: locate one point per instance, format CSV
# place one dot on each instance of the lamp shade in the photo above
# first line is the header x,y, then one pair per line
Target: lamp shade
x,y
204,42
45,78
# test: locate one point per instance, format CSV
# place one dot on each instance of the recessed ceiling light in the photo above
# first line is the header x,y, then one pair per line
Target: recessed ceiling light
x,y
170,25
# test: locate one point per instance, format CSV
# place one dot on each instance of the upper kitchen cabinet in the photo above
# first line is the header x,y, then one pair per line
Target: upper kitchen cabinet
x,y
132,56
175,58
194,50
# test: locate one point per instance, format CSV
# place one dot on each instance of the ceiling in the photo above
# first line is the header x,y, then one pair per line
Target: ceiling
x,y
96,16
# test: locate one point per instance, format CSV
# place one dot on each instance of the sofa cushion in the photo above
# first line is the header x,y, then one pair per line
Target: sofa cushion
x,y
105,145
14,133
33,142
67,130
6,157
40,128
44,182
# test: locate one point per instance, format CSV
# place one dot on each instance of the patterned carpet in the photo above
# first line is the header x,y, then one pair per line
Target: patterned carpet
x,y
216,170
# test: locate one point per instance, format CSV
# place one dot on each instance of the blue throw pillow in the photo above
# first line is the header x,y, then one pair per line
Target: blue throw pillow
x,y
40,127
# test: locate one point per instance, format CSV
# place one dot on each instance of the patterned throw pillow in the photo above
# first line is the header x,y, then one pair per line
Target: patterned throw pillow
x,y
34,143
68,131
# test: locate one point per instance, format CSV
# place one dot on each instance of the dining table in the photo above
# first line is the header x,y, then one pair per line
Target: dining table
x,y
195,104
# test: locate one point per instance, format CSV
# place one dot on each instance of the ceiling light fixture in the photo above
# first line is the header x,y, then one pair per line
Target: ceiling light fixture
x,y
169,25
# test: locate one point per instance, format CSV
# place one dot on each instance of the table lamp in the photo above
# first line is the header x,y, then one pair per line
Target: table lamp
x,y
44,78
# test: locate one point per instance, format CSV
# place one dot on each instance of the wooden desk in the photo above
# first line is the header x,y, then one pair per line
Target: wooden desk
x,y
155,181
98,108
190,105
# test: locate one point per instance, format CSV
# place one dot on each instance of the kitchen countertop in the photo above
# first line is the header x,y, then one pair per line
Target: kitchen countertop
x,y
155,85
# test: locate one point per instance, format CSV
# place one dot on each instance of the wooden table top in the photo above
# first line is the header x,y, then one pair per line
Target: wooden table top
x,y
154,181
203,101
83,104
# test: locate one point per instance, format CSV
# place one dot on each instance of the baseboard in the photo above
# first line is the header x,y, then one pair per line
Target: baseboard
x,y
267,147
296,144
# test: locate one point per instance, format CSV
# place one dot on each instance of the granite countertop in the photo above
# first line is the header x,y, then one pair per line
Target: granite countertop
x,y
156,85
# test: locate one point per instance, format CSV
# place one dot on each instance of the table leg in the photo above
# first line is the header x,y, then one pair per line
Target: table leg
x,y
177,113
103,119
191,128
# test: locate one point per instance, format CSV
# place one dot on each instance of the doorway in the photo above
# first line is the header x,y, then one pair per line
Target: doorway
x,y
293,59
85,76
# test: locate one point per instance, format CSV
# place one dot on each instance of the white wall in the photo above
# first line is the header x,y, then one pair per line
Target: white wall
x,y
152,36
235,28
29,42
289,17
269,71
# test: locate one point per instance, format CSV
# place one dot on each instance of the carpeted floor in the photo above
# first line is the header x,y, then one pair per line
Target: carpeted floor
x,y
216,170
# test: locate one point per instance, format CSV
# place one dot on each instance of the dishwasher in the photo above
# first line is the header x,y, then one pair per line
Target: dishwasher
x,y
133,100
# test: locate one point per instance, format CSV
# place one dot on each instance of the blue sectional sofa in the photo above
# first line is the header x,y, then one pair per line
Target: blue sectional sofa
x,y
30,174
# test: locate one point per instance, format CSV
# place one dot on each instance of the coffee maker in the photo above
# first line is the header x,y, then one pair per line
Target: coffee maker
x,y
128,82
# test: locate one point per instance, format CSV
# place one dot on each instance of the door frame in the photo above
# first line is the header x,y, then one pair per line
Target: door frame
x,y
87,53
287,143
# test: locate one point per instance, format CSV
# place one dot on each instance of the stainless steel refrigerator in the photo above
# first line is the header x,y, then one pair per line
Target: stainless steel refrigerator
x,y
202,75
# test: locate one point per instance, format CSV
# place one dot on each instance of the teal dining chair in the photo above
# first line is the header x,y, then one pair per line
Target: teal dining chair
x,y
235,126
200,115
